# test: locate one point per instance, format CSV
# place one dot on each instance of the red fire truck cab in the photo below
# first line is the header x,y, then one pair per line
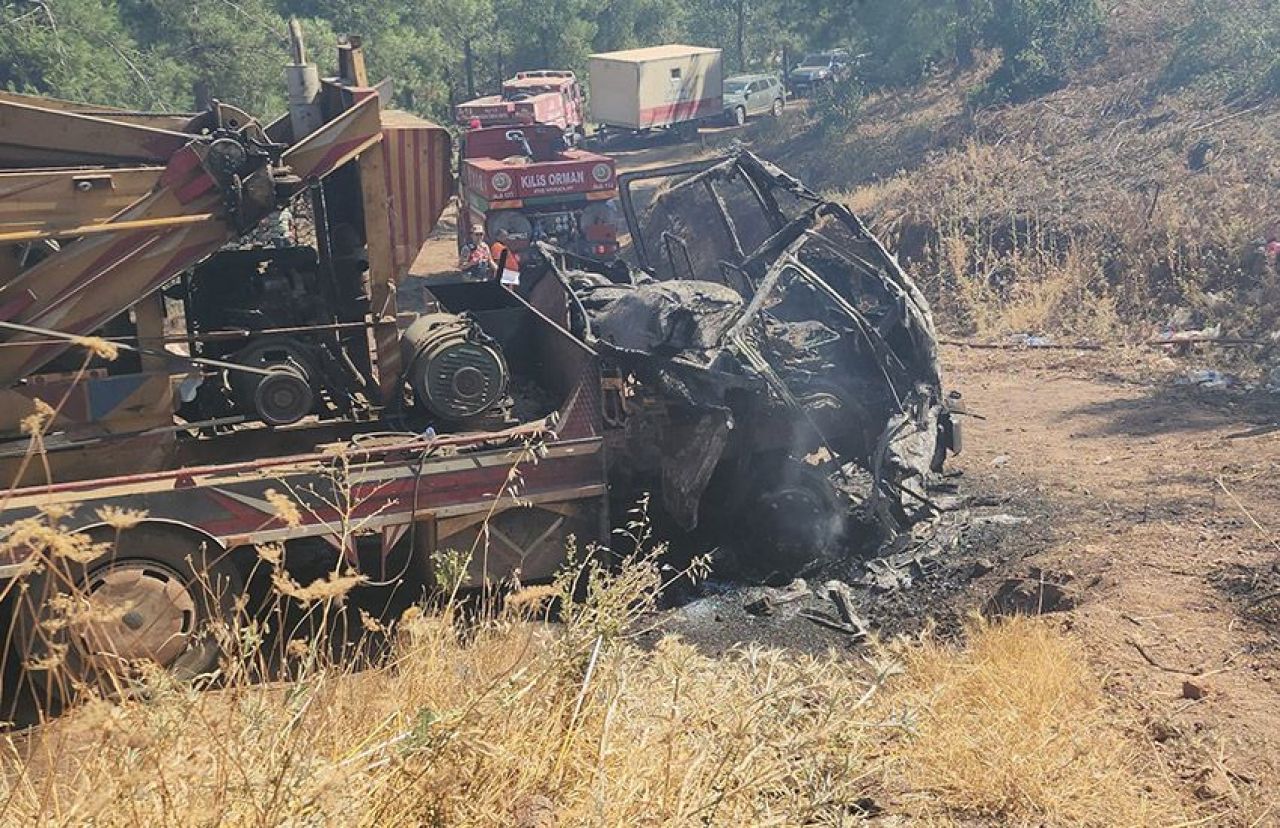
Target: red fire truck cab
x,y
525,184
546,96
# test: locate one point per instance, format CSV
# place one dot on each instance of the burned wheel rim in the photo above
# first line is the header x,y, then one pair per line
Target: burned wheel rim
x,y
152,599
139,610
797,519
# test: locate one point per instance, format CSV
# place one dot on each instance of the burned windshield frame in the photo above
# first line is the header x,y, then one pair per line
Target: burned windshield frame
x,y
763,181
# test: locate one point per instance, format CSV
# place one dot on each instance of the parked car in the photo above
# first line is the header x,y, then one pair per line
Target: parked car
x,y
820,70
748,95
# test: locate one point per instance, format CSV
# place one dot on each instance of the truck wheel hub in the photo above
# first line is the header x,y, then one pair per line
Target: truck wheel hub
x,y
158,618
794,523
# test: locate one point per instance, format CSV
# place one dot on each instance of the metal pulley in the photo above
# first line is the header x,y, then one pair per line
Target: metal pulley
x,y
456,371
282,396
226,157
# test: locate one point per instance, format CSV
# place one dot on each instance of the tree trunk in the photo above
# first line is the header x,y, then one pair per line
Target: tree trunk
x,y
201,94
469,63
966,27
740,7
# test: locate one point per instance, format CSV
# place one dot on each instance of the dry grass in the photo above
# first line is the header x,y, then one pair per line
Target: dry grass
x,y
1080,213
1033,288
476,724
1015,727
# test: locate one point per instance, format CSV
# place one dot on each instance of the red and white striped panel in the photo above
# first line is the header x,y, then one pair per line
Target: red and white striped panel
x,y
419,181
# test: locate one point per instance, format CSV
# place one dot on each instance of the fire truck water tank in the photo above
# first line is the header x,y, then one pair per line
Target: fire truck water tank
x,y
456,370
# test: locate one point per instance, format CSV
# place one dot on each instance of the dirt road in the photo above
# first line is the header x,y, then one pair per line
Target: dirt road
x,y
1153,490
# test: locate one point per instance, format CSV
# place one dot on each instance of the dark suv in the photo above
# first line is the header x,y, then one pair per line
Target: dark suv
x,y
820,70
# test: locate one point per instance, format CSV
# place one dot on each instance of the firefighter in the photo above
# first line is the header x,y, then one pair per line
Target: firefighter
x,y
506,261
476,259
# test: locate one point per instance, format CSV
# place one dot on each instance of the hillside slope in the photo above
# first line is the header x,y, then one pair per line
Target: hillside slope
x,y
1097,210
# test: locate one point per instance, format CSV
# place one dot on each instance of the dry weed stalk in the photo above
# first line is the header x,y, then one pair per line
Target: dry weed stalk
x,y
454,724
458,729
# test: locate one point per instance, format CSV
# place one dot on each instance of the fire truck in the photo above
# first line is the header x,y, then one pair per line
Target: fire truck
x,y
525,184
545,96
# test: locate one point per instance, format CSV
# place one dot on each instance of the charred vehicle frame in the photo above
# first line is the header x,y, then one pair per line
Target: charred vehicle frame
x,y
794,366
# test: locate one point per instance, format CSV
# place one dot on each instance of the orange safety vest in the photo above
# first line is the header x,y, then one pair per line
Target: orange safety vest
x,y
509,270
498,248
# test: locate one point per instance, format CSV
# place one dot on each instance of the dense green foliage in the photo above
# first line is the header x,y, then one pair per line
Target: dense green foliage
x,y
80,49
167,54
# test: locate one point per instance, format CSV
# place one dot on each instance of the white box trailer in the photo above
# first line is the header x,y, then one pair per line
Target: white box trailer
x,y
656,87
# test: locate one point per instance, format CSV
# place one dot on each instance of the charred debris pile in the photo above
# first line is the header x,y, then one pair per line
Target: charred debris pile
x,y
772,375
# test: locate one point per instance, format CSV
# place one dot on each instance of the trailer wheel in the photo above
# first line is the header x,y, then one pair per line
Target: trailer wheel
x,y
686,131
151,599
739,116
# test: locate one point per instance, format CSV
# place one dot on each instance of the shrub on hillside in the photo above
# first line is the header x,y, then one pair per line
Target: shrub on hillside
x,y
1230,48
904,38
1042,41
838,108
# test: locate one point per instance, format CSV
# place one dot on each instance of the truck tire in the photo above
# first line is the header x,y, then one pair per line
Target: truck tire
x,y
171,587
776,109
739,116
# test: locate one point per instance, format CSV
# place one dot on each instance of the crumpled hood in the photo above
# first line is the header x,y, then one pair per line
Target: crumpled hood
x,y
661,318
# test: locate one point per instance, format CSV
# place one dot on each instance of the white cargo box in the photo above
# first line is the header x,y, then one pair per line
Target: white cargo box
x,y
656,87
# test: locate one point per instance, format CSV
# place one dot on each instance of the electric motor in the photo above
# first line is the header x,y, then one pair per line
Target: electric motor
x,y
456,371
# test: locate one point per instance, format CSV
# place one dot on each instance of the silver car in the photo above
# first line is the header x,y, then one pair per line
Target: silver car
x,y
747,95
820,71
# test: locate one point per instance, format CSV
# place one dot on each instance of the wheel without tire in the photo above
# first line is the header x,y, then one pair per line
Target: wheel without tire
x,y
796,518
150,599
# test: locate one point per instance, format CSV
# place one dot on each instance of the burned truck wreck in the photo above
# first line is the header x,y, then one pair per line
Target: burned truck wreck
x,y
760,357
771,373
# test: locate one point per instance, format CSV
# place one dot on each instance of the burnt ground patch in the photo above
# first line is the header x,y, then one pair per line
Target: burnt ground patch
x,y
933,579
1254,591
